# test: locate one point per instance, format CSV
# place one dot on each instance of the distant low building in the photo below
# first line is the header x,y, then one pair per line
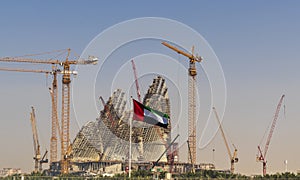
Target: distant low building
x,y
9,171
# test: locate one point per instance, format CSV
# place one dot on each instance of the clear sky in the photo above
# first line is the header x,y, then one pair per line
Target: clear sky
x,y
257,43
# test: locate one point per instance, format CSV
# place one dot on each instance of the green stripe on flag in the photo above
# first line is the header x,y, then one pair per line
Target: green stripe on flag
x,y
157,112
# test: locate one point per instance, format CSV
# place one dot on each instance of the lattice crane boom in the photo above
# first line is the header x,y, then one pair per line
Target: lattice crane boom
x,y
91,60
191,100
233,157
188,55
55,124
138,92
222,131
36,144
262,155
273,125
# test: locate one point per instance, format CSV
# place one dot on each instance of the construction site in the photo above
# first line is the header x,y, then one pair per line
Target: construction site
x,y
109,145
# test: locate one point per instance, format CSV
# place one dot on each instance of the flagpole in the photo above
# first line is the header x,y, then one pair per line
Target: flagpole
x,y
130,134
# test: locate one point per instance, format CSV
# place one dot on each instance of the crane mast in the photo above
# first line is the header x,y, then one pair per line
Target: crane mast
x,y
55,123
191,100
262,156
65,116
233,157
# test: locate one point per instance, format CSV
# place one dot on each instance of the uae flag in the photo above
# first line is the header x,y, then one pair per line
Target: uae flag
x,y
148,115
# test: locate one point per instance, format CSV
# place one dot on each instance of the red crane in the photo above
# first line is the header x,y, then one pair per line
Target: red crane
x,y
138,92
262,155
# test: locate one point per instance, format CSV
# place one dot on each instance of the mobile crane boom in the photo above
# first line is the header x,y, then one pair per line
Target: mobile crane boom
x,y
262,156
233,157
36,144
138,92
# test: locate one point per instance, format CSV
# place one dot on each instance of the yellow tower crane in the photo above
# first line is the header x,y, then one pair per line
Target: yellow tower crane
x,y
36,145
53,94
233,157
191,101
55,123
65,111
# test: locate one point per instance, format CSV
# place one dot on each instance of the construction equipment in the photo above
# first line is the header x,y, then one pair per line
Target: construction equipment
x,y
262,155
36,145
53,94
154,164
65,112
43,160
138,92
190,152
233,157
26,70
191,100
54,116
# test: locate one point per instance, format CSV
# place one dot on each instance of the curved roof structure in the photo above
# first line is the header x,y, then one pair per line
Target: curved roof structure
x,y
107,138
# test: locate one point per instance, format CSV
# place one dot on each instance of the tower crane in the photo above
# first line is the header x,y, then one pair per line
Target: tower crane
x,y
262,155
233,157
53,94
36,145
55,124
191,100
65,111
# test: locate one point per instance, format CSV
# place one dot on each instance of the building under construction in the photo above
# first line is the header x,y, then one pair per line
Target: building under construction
x,y
107,138
103,145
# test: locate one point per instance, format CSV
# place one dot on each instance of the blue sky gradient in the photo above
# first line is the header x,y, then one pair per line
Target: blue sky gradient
x,y
257,43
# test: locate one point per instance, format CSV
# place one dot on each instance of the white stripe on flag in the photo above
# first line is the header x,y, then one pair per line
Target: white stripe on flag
x,y
154,116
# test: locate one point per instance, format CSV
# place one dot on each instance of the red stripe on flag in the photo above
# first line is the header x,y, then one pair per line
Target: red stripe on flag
x,y
138,110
